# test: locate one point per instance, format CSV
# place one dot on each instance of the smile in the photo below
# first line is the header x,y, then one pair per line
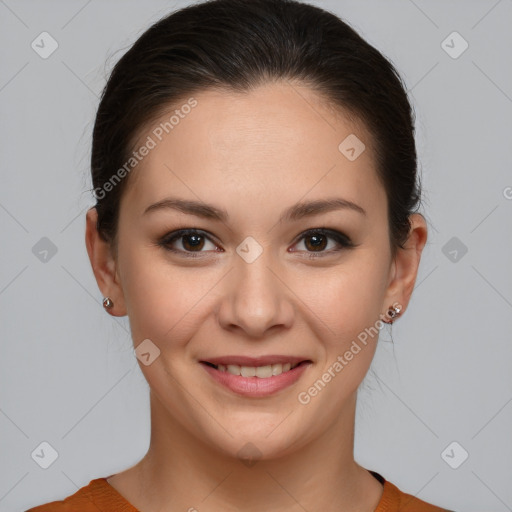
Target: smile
x,y
262,372
256,381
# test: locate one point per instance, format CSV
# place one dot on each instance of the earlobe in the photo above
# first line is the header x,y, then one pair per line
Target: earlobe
x,y
103,265
406,263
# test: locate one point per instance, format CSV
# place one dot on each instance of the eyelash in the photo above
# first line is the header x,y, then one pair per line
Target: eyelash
x,y
343,240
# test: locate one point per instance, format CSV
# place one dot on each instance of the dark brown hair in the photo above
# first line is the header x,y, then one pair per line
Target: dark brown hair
x,y
237,45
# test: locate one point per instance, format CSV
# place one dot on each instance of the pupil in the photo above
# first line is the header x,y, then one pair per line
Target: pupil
x,y
319,243
193,241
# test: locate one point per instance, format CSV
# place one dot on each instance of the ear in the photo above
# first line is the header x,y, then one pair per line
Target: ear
x,y
404,269
104,264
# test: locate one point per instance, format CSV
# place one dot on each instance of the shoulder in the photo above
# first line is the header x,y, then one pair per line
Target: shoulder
x,y
97,495
395,500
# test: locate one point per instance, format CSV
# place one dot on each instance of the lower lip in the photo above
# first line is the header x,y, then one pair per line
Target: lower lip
x,y
254,386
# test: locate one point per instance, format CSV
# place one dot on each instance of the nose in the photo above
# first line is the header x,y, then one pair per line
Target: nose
x,y
256,298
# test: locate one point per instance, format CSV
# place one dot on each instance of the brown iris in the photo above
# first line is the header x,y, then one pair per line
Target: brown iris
x,y
319,242
197,242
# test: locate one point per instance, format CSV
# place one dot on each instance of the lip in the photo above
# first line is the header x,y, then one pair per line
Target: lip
x,y
255,361
256,387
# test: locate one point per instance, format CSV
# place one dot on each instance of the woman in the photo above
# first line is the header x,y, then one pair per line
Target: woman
x,y
254,167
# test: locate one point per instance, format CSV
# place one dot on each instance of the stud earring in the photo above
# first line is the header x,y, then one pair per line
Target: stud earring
x,y
107,303
393,312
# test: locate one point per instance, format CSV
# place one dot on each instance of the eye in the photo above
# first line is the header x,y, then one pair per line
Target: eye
x,y
191,242
187,241
316,240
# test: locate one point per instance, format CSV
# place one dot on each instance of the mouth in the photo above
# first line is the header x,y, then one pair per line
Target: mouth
x,y
256,377
262,372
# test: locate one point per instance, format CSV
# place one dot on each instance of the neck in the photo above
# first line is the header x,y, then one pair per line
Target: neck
x,y
181,472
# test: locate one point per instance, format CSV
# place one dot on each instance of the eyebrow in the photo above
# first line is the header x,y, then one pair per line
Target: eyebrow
x,y
293,213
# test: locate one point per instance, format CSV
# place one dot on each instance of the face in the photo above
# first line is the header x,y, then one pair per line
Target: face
x,y
260,275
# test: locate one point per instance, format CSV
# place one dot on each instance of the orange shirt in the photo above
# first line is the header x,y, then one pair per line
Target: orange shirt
x,y
100,496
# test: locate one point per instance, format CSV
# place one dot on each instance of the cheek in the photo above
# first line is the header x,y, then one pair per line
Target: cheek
x,y
348,299
350,306
163,302
150,293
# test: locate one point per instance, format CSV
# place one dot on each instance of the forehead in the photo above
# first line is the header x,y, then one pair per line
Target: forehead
x,y
277,141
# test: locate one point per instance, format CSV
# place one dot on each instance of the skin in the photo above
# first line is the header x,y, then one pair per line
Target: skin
x,y
254,155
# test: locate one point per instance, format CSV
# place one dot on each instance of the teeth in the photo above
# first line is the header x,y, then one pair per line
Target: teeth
x,y
262,372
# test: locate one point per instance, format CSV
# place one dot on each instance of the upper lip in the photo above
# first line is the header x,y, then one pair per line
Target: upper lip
x,y
255,361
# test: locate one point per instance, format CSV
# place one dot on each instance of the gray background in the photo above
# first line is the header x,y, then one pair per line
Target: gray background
x,y
68,373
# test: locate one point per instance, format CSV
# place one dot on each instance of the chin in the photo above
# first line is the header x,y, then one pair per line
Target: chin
x,y
249,446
